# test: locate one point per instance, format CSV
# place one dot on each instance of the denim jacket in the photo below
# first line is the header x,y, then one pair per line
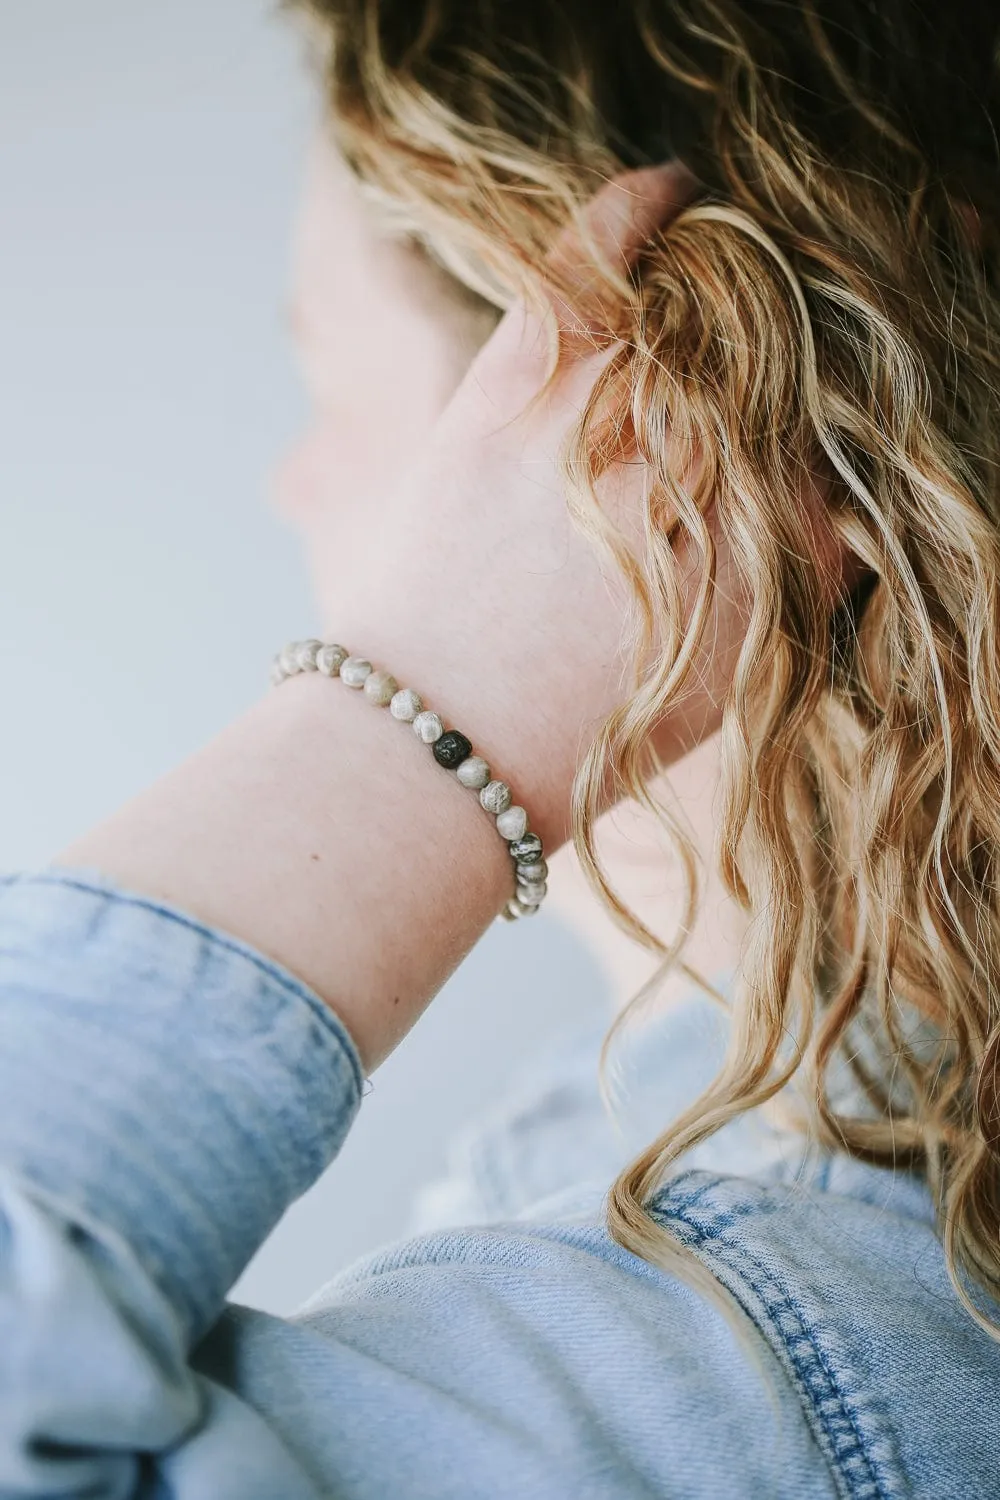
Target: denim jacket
x,y
166,1093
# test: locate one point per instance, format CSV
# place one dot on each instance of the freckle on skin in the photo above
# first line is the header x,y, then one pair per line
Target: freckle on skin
x,y
395,999
315,857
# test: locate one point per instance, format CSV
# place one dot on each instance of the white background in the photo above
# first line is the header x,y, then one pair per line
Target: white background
x,y
149,165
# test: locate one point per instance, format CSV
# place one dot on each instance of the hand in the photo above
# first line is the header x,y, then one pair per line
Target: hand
x,y
479,590
319,834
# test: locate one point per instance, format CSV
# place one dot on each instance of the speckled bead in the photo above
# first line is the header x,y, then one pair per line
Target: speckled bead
x,y
428,727
513,823
473,773
527,851
516,909
451,749
530,873
330,658
532,895
380,688
277,671
495,797
288,659
305,654
405,705
355,671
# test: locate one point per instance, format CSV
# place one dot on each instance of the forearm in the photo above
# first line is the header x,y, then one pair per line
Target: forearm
x,y
321,831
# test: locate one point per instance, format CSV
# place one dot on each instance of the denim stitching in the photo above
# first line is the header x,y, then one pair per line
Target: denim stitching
x,y
812,1373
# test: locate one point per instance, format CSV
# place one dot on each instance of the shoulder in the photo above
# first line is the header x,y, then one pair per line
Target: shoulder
x,y
845,1278
862,1374
538,1359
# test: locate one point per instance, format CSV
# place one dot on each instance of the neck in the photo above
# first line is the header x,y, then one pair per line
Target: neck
x,y
638,856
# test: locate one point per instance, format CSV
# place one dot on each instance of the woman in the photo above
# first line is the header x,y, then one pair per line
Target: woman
x,y
774,415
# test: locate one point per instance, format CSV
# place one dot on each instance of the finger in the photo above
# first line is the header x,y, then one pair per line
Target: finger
x,y
589,264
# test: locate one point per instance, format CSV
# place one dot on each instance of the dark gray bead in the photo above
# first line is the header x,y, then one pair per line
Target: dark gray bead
x,y
527,850
451,749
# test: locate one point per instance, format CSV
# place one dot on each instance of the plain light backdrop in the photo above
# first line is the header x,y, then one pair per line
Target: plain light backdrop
x,y
149,166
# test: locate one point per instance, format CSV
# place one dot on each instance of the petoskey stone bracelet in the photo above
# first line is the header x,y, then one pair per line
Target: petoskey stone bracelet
x,y
451,750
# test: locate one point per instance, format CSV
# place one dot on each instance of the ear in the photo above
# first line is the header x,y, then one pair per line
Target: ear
x,y
606,238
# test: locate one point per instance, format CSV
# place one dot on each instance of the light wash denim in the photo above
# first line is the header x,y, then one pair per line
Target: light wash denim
x,y
166,1093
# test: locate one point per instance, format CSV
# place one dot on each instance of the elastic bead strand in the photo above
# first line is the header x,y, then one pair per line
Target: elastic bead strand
x,y
451,749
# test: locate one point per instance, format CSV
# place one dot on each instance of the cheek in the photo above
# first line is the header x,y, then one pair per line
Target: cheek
x,y
332,488
383,384
334,475
294,483
375,404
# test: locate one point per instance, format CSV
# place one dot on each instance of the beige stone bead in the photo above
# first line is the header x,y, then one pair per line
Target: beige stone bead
x,y
288,659
305,654
381,688
330,658
405,705
532,895
513,823
495,797
428,727
473,772
355,671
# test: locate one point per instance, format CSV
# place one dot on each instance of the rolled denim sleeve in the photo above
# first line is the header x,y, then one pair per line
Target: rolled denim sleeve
x,y
165,1094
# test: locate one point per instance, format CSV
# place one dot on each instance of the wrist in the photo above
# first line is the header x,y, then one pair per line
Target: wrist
x,y
311,831
521,714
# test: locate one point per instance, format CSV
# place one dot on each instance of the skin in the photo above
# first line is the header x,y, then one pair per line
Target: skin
x,y
317,828
358,291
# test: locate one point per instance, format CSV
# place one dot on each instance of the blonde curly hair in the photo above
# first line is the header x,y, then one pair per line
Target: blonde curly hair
x,y
827,312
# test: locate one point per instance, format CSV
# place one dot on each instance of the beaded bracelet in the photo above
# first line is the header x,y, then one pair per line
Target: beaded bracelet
x,y
451,749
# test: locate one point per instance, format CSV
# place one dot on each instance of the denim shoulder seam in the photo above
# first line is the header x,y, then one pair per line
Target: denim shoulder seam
x,y
846,1457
